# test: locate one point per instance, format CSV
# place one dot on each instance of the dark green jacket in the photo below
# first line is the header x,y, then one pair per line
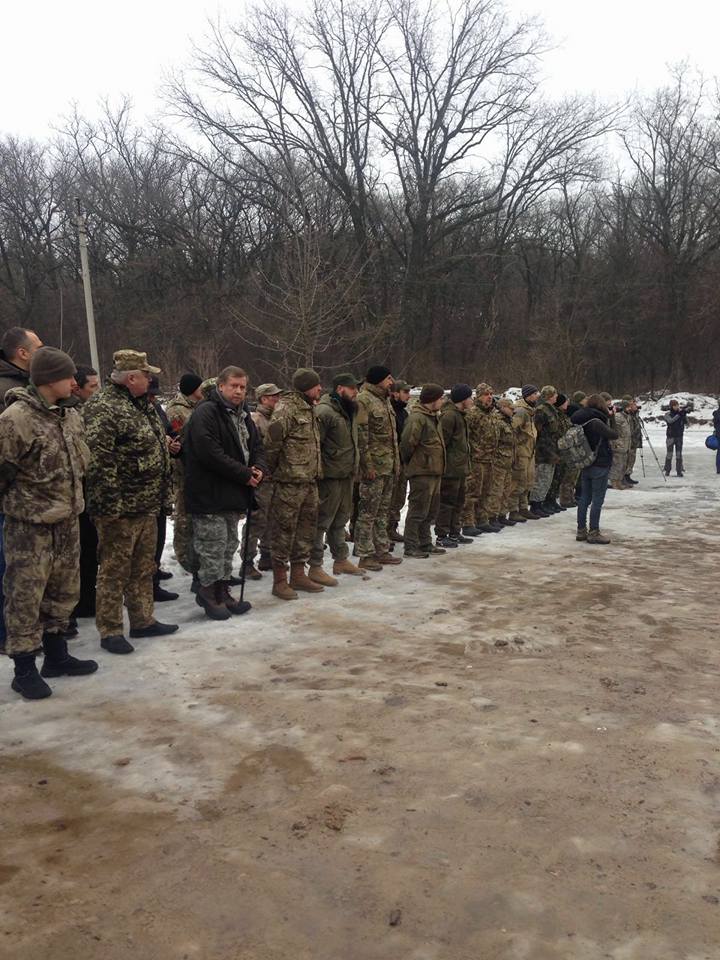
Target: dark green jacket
x,y
129,471
549,430
292,443
338,438
453,424
422,449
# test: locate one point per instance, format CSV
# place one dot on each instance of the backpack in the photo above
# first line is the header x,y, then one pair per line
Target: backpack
x,y
575,448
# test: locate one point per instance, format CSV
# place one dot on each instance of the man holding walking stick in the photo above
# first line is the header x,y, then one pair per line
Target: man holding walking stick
x,y
224,463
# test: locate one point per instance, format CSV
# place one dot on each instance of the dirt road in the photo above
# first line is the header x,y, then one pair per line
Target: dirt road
x,y
511,752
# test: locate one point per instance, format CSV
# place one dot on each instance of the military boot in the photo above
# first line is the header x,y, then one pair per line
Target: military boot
x,y
537,508
594,536
459,538
529,513
281,587
447,541
346,566
58,662
248,571
394,534
27,681
318,575
617,485
506,521
210,599
517,517
370,563
154,629
299,580
415,553
471,531
265,561
387,559
235,606
582,533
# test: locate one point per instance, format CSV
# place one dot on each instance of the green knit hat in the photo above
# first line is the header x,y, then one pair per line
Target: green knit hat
x,y
305,379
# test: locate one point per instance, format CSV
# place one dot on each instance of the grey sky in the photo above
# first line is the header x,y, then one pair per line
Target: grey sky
x,y
83,50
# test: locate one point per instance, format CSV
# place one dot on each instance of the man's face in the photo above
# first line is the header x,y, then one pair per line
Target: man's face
x,y
533,398
506,409
485,400
466,403
138,382
436,404
270,400
347,393
404,396
196,395
91,386
61,389
234,390
386,383
25,353
551,399
314,393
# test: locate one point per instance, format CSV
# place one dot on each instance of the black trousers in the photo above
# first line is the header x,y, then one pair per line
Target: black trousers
x,y
160,545
88,567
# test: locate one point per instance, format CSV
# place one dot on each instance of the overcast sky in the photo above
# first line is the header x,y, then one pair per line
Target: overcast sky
x,y
55,53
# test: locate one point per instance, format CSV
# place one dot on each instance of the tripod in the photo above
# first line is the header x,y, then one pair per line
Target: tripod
x,y
645,434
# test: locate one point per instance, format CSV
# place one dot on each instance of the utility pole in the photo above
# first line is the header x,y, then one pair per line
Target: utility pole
x,y
82,238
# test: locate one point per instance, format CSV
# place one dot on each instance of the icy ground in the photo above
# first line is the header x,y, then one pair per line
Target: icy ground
x,y
511,752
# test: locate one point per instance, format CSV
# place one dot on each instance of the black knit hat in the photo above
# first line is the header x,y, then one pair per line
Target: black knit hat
x,y
189,382
460,392
376,375
561,398
48,365
529,389
305,379
431,392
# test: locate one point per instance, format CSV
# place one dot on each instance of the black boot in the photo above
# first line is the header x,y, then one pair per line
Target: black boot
x,y
668,467
27,681
679,467
117,644
265,561
445,540
471,531
164,575
161,595
155,629
59,663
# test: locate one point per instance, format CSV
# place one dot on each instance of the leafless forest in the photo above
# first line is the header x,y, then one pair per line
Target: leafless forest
x,y
380,182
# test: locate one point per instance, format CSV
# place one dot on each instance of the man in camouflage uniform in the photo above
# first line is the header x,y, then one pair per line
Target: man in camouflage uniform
x,y
523,423
422,451
503,464
483,431
547,455
268,397
379,470
43,457
566,477
453,423
336,416
621,449
399,399
128,484
632,412
292,454
178,412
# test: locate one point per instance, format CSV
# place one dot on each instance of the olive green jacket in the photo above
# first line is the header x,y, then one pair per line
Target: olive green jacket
x,y
292,443
454,426
338,439
523,423
422,448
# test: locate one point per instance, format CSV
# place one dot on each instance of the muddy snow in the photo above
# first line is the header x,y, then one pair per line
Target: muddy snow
x,y
512,751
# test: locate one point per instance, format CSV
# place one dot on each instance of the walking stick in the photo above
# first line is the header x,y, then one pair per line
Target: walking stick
x,y
246,541
645,434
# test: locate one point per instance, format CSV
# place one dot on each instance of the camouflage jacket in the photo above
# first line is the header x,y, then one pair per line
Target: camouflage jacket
x,y
377,434
43,458
338,438
422,448
453,424
292,443
129,472
549,430
523,423
624,441
483,431
179,411
636,437
505,455
261,418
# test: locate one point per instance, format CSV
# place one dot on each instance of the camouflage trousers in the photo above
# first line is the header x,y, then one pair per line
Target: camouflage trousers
x,y
371,527
259,531
523,478
499,500
335,506
544,473
215,542
477,495
399,496
42,580
563,485
619,462
423,505
294,510
452,501
183,534
631,458
126,555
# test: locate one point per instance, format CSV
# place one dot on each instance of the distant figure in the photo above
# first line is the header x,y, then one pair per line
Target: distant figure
x,y
716,424
676,420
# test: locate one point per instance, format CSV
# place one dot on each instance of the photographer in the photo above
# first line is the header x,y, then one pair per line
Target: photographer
x,y
676,420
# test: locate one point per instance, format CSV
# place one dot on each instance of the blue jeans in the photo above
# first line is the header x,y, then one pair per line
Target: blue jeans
x,y
2,577
593,487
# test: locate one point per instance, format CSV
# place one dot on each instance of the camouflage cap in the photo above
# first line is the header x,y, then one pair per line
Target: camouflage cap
x,y
628,399
483,388
133,360
267,390
399,385
548,391
506,402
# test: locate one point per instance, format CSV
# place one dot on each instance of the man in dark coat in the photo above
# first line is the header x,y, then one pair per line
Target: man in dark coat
x,y
716,426
224,462
676,420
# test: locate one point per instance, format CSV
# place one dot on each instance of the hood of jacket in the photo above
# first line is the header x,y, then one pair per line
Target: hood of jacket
x,y
586,414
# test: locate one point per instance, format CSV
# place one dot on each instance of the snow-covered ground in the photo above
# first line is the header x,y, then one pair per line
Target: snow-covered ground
x,y
508,751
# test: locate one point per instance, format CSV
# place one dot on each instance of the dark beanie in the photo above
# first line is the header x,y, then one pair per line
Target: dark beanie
x,y
305,379
376,375
561,398
48,365
460,392
529,389
431,392
189,382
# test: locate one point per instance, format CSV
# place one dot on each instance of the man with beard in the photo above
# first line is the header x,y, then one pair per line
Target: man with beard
x,y
337,421
399,399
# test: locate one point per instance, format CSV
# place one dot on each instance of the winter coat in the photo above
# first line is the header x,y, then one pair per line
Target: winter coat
x,y
10,377
483,432
400,409
338,438
505,455
456,437
549,431
261,417
377,433
636,440
43,458
179,411
422,449
716,421
523,423
596,425
623,443
292,447
216,469
129,471
676,423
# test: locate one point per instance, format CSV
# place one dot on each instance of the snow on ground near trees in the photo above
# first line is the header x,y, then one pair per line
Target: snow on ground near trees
x,y
509,751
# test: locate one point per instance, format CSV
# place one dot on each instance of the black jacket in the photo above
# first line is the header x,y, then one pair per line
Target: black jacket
x,y
716,421
10,376
216,473
676,421
401,415
595,423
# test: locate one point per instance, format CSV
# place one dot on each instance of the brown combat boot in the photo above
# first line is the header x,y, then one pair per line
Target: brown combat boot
x,y
387,559
529,515
265,562
581,534
517,517
299,580
318,575
370,563
211,600
394,535
594,536
345,566
281,587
